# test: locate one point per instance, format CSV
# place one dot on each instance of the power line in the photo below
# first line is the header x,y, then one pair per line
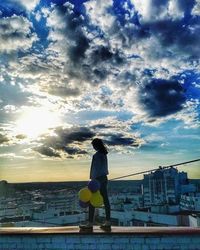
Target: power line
x,y
182,163
151,170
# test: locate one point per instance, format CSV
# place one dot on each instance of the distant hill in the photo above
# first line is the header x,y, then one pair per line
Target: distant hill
x,y
48,185
125,185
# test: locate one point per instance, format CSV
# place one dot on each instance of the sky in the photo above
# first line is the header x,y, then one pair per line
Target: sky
x,y
125,71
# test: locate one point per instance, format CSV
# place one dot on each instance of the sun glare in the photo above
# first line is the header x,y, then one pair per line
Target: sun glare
x,y
36,121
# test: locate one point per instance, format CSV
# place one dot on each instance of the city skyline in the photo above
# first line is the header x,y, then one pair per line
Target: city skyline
x,y
125,71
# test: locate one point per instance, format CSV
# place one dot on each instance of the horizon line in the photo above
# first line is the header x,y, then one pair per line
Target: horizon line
x,y
43,182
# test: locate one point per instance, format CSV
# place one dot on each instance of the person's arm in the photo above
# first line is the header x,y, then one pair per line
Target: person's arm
x,y
92,168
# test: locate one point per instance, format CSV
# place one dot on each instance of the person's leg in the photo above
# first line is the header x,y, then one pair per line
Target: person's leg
x,y
89,224
104,193
91,214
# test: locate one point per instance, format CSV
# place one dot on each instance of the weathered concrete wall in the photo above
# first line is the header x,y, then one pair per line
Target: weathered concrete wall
x,y
98,241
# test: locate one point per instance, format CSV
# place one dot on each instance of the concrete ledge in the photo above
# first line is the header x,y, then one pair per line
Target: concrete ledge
x,y
97,230
120,238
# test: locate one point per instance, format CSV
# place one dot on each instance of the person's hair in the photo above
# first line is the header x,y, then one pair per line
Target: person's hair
x,y
99,145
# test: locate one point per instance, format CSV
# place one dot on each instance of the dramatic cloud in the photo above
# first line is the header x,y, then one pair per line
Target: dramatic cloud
x,y
64,91
47,151
66,140
185,43
162,97
116,70
70,135
121,140
88,58
76,141
21,137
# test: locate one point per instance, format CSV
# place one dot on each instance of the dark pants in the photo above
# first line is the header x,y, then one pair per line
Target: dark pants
x,y
103,190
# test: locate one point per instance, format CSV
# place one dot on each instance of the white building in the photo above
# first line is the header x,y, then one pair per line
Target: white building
x,y
194,220
190,202
119,201
145,218
165,186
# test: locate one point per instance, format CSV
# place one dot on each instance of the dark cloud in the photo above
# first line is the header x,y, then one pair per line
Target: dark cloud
x,y
74,151
3,139
101,126
21,136
186,5
103,53
73,30
78,134
77,52
181,37
67,140
100,59
71,142
47,151
63,91
162,97
175,33
121,140
85,60
130,35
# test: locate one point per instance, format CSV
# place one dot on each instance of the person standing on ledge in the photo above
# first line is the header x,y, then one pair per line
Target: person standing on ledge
x,y
99,172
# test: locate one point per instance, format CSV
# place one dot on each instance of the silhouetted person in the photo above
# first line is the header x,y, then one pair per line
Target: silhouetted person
x,y
99,172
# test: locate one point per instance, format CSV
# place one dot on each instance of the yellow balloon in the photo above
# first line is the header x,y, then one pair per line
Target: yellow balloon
x,y
96,199
84,194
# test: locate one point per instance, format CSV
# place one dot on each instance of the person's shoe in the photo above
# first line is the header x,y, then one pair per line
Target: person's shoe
x,y
107,223
88,225
106,226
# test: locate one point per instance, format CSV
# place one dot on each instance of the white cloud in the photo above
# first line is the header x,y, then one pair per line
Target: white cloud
x,y
174,10
196,9
158,10
38,16
100,14
16,34
143,7
28,4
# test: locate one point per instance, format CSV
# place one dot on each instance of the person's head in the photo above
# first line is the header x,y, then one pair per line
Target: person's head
x,y
98,145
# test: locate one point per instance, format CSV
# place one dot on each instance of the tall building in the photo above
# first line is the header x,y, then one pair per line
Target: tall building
x,y
165,186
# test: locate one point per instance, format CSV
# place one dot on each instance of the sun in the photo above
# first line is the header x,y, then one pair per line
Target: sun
x,y
36,121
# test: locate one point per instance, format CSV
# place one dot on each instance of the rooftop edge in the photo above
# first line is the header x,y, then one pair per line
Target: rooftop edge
x,y
97,230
